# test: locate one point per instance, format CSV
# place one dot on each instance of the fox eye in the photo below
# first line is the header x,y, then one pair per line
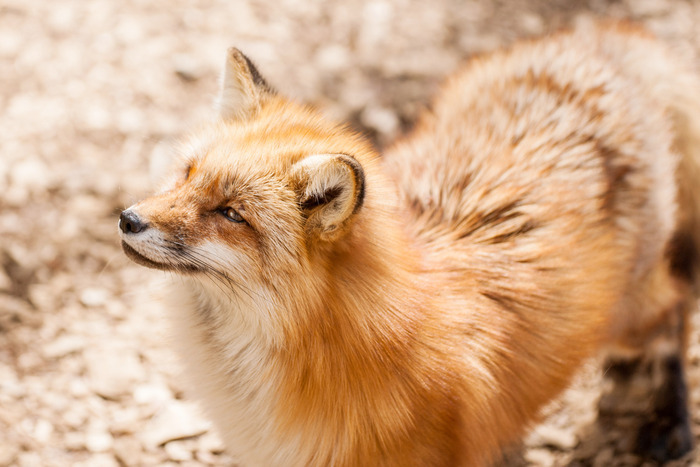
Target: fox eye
x,y
232,215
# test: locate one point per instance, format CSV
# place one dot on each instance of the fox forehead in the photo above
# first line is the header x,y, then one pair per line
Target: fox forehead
x,y
230,150
234,180
237,160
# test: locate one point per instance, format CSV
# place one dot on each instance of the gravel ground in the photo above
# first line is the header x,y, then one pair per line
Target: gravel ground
x,y
89,90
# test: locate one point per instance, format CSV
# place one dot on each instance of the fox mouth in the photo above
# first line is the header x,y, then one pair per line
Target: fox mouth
x,y
138,258
143,260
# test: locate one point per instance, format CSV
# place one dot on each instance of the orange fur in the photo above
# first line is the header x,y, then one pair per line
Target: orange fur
x,y
506,240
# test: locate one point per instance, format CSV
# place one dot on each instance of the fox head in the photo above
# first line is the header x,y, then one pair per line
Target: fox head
x,y
259,196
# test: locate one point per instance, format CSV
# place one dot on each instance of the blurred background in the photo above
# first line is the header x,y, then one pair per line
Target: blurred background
x,y
88,91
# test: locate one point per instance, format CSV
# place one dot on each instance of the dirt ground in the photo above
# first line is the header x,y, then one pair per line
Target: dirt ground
x,y
90,89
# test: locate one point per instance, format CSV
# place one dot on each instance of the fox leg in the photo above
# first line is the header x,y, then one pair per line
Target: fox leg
x,y
645,370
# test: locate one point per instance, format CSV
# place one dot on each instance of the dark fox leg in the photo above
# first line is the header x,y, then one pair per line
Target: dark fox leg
x,y
647,382
667,435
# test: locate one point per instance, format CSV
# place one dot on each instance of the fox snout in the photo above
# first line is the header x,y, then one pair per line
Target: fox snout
x,y
130,222
161,234
140,243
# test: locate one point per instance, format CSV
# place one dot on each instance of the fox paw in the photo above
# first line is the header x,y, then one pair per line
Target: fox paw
x,y
655,392
667,434
664,443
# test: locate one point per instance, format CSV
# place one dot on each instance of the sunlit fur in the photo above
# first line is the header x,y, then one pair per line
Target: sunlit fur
x,y
517,230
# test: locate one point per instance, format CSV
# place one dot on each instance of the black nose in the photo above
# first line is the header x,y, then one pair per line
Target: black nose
x,y
129,222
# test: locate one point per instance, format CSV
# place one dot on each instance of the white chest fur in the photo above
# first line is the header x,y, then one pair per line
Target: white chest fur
x,y
233,374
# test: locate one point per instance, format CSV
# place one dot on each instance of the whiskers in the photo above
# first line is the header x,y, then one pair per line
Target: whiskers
x,y
117,256
213,269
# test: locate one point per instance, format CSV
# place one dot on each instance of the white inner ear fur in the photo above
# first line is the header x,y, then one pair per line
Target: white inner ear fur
x,y
320,175
239,96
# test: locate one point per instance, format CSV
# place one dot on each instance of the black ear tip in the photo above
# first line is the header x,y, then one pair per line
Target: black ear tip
x,y
359,174
234,54
255,74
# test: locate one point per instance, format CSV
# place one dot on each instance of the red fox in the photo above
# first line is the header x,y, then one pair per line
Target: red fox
x,y
342,308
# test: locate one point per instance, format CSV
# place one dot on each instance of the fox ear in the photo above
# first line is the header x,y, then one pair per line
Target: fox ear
x,y
242,87
330,189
